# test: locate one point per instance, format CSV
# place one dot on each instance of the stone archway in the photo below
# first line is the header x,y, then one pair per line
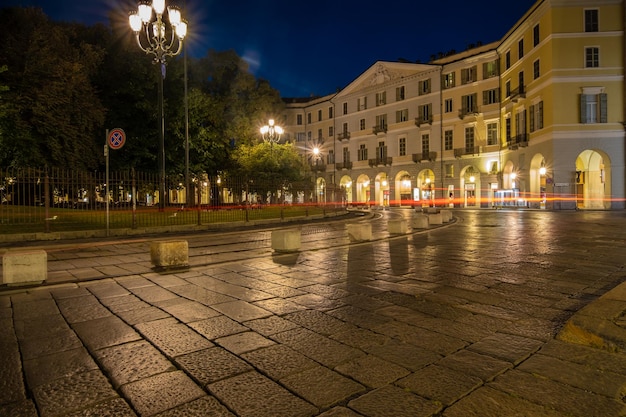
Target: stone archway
x,y
593,180
345,186
363,189
403,189
470,186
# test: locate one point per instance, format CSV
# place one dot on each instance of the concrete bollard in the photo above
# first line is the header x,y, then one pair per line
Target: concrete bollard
x,y
435,218
169,254
359,232
420,221
25,267
446,215
397,226
286,240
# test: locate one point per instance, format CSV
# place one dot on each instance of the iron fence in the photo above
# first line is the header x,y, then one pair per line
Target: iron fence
x,y
47,200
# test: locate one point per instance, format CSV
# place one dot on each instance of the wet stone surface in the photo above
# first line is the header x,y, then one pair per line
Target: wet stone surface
x,y
455,321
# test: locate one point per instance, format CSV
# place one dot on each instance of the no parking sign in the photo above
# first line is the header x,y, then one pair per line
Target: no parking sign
x,y
116,138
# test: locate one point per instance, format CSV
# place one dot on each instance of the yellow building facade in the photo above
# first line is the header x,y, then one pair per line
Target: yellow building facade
x,y
535,119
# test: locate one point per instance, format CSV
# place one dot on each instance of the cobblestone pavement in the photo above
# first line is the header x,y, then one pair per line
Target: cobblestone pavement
x,y
459,320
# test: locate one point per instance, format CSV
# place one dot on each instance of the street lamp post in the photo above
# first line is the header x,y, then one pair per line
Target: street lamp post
x,y
271,133
161,39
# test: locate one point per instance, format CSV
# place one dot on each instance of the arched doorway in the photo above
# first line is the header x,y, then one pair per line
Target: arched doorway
x,y
470,184
345,185
363,189
539,175
320,190
403,189
426,185
381,190
593,180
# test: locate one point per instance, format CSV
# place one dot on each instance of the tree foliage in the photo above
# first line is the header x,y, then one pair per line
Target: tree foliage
x,y
66,84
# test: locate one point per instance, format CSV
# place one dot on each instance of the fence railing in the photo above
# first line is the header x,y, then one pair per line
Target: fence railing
x,y
54,200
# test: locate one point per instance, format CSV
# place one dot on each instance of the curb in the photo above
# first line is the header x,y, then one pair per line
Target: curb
x,y
601,324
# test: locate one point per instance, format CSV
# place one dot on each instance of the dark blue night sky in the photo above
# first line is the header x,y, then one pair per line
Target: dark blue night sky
x,y
315,47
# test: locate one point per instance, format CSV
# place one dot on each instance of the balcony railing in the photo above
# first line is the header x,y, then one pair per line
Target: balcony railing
x,y
343,136
380,161
518,141
423,120
518,93
468,111
468,150
380,129
343,165
429,156
317,166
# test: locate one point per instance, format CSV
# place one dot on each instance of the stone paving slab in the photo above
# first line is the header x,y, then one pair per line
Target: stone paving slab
x,y
407,326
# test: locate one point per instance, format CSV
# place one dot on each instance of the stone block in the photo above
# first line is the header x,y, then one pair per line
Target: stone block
x,y
359,232
446,215
397,226
286,240
435,218
169,254
420,221
25,267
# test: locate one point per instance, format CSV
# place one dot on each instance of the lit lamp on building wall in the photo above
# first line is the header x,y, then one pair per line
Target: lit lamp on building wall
x,y
160,38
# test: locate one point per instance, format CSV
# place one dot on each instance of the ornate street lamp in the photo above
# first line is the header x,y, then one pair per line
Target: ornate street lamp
x,y
160,38
271,132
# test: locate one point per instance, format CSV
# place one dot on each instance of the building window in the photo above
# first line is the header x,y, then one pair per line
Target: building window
x,y
593,108
520,49
402,115
520,122
424,87
536,35
448,140
592,57
425,145
330,112
299,120
469,139
381,122
309,136
469,104
362,155
345,129
507,60
449,106
362,124
591,20
507,127
361,103
381,151
536,70
331,132
346,154
300,137
536,116
345,108
381,98
402,146
490,69
330,159
425,113
319,134
448,80
319,115
468,75
520,82
492,134
399,93
449,171
491,96
507,88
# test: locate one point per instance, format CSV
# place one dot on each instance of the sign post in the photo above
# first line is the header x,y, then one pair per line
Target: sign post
x,y
115,139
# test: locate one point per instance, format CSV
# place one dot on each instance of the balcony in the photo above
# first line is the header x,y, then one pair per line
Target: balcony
x,y
429,156
380,161
469,111
380,129
423,120
343,165
518,94
343,136
317,166
467,151
519,141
